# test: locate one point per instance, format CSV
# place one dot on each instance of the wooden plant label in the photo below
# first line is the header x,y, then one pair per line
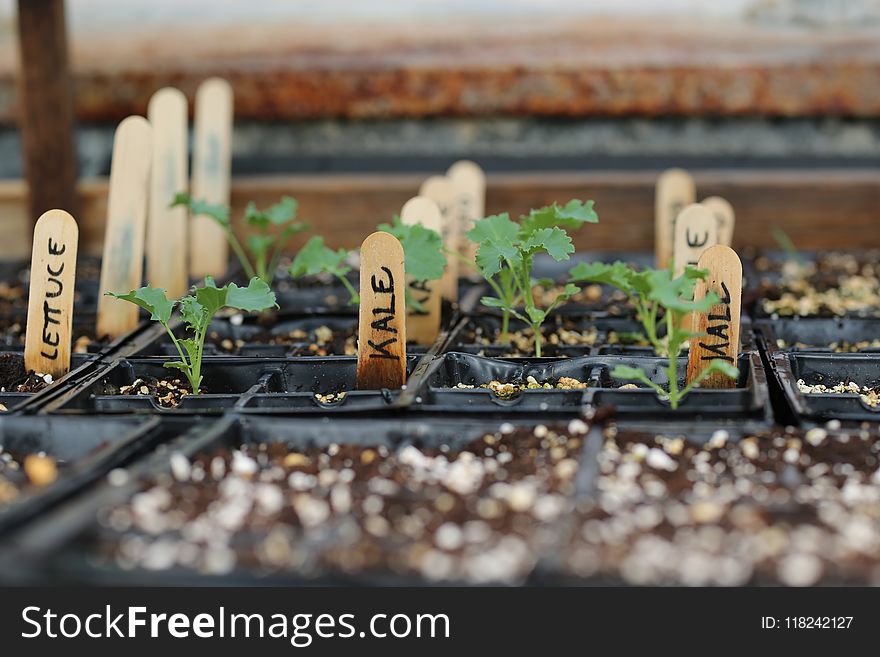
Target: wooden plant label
x,y
723,212
675,191
209,251
166,226
441,190
469,182
696,229
721,323
123,260
423,326
382,319
50,302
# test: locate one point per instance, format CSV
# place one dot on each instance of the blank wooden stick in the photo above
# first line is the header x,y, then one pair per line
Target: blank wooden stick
x,y
696,229
123,261
470,188
441,190
382,316
675,191
209,250
423,326
166,226
721,324
725,216
50,302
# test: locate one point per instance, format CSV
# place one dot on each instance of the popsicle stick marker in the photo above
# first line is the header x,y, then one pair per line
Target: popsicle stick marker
x,y
725,216
423,326
674,192
441,190
166,226
123,260
696,229
469,182
721,324
50,300
209,251
382,316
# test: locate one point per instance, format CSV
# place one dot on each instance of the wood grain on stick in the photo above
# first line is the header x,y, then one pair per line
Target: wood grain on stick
x,y
123,259
212,148
382,316
721,324
166,226
441,190
422,326
50,301
675,191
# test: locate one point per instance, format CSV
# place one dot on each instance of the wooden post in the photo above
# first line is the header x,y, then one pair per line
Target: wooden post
x,y
212,148
122,264
382,315
721,324
696,229
46,110
725,216
441,190
166,226
50,302
470,188
423,326
674,192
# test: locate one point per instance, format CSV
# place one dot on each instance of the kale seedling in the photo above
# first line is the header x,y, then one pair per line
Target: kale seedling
x,y
197,309
422,249
316,258
653,290
505,257
274,226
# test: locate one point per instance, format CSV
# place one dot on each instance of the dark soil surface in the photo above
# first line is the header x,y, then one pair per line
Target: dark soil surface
x,y
13,377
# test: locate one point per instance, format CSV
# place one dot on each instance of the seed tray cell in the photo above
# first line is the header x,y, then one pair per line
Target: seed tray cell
x,y
231,382
832,335
83,450
335,475
828,370
442,391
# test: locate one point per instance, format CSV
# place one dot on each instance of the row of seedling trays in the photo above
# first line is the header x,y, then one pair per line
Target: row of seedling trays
x,y
378,417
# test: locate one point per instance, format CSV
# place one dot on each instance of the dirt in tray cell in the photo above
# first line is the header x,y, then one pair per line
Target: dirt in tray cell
x,y
789,507
871,396
514,389
521,343
168,392
321,341
612,301
14,378
19,472
481,513
840,347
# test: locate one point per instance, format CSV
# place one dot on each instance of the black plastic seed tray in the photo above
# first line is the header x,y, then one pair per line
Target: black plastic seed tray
x,y
453,385
828,370
281,384
814,334
75,543
84,449
78,363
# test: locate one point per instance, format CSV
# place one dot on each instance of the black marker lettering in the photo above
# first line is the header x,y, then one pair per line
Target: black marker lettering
x,y
54,248
383,352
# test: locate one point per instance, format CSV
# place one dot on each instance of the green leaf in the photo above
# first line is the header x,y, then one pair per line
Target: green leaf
x,y
495,228
536,315
210,297
618,274
219,213
177,365
492,302
491,255
259,245
554,241
255,297
721,367
572,215
315,258
631,374
276,215
192,313
422,249
151,299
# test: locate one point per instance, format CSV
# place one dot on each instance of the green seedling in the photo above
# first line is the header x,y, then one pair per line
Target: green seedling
x,y
197,309
653,291
505,258
273,228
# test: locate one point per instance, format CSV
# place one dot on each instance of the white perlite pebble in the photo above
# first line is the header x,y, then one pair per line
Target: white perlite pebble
x,y
718,439
236,320
816,436
117,477
506,428
243,465
449,537
800,569
180,466
660,460
578,427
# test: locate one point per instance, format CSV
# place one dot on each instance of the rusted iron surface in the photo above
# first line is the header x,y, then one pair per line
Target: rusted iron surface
x,y
608,67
